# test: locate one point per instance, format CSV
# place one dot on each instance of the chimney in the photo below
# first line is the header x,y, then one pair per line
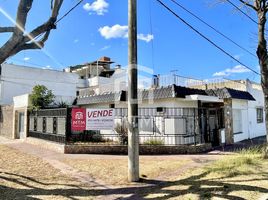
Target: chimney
x,y
155,81
105,59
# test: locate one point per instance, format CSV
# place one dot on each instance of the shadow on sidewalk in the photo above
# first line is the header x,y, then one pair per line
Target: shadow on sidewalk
x,y
29,188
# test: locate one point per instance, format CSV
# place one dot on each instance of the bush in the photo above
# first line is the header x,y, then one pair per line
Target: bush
x,y
41,97
62,104
154,141
122,132
87,136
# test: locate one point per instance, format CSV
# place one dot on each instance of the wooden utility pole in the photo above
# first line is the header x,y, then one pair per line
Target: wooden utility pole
x,y
133,131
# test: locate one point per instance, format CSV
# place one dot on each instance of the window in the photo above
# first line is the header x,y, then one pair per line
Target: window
x,y
259,115
159,109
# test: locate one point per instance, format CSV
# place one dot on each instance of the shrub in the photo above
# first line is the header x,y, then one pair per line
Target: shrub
x,y
62,104
122,131
41,97
87,136
154,141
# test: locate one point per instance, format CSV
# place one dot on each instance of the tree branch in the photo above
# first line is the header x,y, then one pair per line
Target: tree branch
x,y
19,40
56,8
249,4
22,13
47,26
7,29
33,45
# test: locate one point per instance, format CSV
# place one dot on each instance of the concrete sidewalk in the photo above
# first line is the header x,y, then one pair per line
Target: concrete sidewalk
x,y
56,159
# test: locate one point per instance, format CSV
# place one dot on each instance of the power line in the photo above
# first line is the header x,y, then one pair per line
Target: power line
x,y
244,13
210,26
206,38
61,18
67,13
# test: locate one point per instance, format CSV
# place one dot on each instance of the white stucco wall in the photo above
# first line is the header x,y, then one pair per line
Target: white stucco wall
x,y
169,126
17,80
166,103
255,129
240,126
250,127
21,101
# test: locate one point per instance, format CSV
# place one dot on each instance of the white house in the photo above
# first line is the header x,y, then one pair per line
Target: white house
x,y
187,115
17,80
249,117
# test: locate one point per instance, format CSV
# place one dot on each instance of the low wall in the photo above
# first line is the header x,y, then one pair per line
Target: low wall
x,y
6,121
144,149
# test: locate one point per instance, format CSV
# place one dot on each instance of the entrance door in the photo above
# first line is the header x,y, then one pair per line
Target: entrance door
x,y
214,127
21,126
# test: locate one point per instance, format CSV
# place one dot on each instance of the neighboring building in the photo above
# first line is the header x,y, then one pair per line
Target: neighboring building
x,y
17,80
99,76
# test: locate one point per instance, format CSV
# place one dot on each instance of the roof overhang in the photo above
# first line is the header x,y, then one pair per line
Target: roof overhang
x,y
204,98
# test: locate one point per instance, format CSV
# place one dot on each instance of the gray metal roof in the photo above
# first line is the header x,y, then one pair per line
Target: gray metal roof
x,y
103,98
230,93
171,91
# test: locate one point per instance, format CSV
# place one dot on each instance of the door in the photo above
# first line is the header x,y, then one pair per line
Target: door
x,y
21,126
214,127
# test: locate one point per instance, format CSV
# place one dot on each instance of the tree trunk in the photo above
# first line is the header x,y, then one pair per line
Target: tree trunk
x,y
263,59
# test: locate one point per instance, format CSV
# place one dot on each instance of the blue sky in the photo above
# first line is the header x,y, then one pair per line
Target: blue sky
x,y
98,28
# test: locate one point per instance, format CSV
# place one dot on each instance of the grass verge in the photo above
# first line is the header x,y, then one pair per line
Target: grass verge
x,y
114,171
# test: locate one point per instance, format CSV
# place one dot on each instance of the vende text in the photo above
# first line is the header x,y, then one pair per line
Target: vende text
x,y
100,113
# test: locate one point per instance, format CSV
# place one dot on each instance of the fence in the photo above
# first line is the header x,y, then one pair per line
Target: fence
x,y
162,126
50,124
157,126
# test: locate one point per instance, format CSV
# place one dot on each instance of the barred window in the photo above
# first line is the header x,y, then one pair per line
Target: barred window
x,y
259,115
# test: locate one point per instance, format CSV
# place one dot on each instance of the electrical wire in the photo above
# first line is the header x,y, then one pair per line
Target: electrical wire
x,y
210,26
62,17
69,11
205,37
244,13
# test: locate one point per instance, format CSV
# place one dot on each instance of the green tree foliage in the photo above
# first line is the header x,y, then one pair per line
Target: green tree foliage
x,y
41,97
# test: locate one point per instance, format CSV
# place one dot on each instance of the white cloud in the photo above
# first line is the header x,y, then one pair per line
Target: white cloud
x,y
238,56
222,73
235,70
47,67
76,40
119,31
105,48
26,58
99,7
116,31
146,38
